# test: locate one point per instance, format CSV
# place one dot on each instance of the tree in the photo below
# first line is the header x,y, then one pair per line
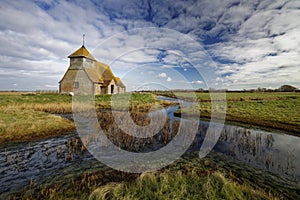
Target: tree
x,y
287,88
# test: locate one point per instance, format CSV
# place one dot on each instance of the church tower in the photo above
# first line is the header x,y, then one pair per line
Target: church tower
x,y
81,58
87,75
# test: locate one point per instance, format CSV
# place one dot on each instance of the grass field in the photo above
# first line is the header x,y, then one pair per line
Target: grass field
x,y
24,125
271,110
212,177
29,116
59,104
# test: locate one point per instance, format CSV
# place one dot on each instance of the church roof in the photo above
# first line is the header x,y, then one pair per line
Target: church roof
x,y
119,82
82,52
100,73
104,71
93,75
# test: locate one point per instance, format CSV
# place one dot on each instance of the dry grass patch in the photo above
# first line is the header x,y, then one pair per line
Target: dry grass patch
x,y
23,125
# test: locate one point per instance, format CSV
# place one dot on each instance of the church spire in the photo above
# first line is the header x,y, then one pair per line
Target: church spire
x,y
83,35
82,52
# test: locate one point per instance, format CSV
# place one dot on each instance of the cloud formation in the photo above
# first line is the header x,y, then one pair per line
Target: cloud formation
x,y
162,75
251,43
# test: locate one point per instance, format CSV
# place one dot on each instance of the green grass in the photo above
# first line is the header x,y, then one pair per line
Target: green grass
x,y
176,185
51,103
233,96
272,110
27,116
135,101
24,125
212,177
57,103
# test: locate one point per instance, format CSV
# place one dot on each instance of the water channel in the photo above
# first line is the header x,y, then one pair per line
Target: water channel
x,y
35,161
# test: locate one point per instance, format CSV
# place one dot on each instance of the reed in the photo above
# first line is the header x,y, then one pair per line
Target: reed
x,y
27,114
128,142
24,125
177,185
212,177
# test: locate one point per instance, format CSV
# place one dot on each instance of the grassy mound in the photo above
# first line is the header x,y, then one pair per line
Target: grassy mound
x,y
23,125
176,185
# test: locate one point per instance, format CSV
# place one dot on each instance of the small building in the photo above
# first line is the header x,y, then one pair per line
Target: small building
x,y
87,74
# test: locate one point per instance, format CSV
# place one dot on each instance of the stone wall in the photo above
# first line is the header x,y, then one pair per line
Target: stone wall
x,y
85,86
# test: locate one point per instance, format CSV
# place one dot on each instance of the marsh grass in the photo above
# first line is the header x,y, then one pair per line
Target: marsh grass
x,y
26,116
129,142
271,110
212,177
177,185
51,103
59,103
24,125
135,102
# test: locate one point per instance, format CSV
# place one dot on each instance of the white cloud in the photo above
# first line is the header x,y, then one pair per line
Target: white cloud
x,y
162,75
51,86
264,51
251,42
169,79
197,82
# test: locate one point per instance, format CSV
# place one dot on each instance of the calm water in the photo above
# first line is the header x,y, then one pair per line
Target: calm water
x,y
271,151
53,157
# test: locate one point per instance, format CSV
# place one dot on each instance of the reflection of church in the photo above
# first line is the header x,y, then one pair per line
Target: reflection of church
x,y
85,71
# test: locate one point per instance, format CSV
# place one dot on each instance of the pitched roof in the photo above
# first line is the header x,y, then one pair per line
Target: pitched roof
x,y
119,82
93,75
104,71
70,73
101,73
82,52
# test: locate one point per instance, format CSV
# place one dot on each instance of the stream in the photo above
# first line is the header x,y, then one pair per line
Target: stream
x,y
28,162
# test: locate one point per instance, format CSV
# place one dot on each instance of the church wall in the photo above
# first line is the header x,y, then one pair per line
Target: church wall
x,y
122,90
76,78
97,88
88,63
84,84
76,63
109,87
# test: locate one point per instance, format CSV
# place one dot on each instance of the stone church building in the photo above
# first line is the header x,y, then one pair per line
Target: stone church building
x,y
87,75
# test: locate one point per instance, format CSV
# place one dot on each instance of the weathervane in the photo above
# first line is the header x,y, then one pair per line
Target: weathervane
x,y
83,35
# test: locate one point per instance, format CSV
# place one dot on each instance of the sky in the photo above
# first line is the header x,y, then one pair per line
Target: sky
x,y
153,44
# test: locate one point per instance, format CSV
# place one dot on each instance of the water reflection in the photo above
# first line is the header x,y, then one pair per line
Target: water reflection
x,y
275,152
31,162
271,151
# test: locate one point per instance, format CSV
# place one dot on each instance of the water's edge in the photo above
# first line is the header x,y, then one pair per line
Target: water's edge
x,y
57,156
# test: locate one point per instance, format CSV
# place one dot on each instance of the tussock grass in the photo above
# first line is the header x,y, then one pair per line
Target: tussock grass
x,y
23,125
129,142
136,102
51,103
272,110
54,108
25,116
231,96
177,185
58,103
188,178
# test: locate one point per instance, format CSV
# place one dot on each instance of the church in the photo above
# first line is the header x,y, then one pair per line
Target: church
x,y
87,74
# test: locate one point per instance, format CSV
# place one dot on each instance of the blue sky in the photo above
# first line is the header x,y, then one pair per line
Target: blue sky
x,y
153,44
